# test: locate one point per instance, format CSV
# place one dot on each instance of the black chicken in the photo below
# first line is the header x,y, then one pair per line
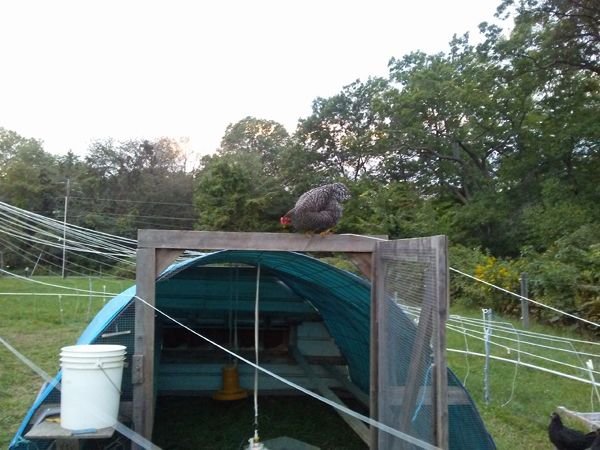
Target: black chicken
x,y
596,443
317,210
565,438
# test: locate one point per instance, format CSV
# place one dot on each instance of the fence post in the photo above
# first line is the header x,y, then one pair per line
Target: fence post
x,y
524,303
487,332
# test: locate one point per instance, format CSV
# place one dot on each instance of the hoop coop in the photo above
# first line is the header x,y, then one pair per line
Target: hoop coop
x,y
319,327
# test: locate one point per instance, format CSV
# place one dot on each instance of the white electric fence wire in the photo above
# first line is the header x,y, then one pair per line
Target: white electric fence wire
x,y
514,381
31,280
506,291
385,428
590,366
524,364
121,428
29,256
467,363
507,348
122,249
57,224
509,329
518,340
35,227
51,294
53,230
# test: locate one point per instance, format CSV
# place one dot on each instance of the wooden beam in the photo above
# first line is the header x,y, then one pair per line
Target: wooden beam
x,y
363,262
221,240
456,395
377,290
440,317
359,427
164,258
341,378
417,358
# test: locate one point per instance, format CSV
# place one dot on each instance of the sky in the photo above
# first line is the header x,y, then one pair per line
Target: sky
x,y
72,72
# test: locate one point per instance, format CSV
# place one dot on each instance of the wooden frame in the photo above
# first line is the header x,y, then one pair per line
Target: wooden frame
x,y
431,329
158,248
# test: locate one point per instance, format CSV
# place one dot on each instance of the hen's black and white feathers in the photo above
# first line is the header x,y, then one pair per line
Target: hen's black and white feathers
x,y
319,209
565,438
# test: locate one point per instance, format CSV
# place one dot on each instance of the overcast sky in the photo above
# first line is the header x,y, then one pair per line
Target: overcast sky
x,y
75,71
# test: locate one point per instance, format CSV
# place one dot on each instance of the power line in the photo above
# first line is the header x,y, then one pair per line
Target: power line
x,y
132,201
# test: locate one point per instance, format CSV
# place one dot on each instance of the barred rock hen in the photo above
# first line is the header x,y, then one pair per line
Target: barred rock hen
x,y
565,438
317,210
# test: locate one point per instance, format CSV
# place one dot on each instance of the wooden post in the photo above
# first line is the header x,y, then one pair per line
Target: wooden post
x,y
143,358
376,288
440,318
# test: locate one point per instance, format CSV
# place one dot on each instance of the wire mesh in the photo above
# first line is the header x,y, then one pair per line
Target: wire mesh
x,y
405,382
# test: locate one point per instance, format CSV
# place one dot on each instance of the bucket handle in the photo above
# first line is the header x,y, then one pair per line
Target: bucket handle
x,y
100,365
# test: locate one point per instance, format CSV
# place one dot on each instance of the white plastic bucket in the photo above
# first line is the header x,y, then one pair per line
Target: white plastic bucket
x,y
91,385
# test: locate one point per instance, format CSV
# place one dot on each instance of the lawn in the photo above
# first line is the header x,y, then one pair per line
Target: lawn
x,y
517,413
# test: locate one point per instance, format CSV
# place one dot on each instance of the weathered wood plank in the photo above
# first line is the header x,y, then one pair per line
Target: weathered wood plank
x,y
377,289
440,317
417,359
359,427
341,378
221,240
456,395
164,258
363,262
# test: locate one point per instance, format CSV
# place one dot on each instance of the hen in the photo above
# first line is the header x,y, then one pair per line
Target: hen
x,y
317,210
565,438
596,443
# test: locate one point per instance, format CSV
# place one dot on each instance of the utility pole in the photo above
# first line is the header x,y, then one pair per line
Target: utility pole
x,y
64,255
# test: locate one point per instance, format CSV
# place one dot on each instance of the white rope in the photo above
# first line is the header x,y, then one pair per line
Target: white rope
x,y
256,327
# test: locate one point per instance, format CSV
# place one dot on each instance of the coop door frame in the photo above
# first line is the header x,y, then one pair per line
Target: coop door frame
x,y
431,331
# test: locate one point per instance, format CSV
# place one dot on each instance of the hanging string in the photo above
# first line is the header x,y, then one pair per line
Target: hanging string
x,y
256,327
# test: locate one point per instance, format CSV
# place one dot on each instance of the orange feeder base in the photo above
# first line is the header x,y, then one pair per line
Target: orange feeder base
x,y
231,386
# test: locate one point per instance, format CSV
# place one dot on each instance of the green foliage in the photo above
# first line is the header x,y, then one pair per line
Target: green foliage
x,y
483,266
345,135
234,194
567,275
264,138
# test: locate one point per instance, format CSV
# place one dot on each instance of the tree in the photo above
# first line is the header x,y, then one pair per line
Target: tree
x,y
264,138
233,193
145,181
555,35
28,174
344,137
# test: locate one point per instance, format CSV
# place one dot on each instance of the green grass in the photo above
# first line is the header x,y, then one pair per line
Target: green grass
x,y
37,328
